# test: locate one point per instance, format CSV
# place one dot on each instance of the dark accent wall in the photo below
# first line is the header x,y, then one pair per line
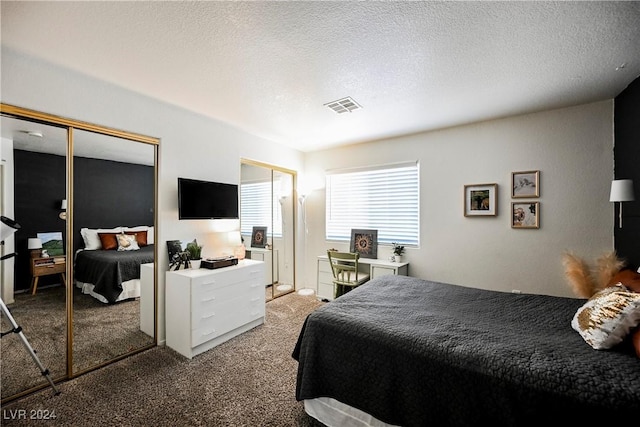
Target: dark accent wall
x,y
107,194
627,166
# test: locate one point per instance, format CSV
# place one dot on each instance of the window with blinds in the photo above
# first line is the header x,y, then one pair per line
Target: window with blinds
x,y
259,204
385,198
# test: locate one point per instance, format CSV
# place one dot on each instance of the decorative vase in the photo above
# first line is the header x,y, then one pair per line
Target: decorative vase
x,y
397,258
195,263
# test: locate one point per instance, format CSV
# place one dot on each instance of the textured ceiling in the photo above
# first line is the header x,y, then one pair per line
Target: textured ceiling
x,y
269,67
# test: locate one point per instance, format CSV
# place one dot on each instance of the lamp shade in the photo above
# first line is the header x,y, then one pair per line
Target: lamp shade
x,y
7,227
63,205
621,190
34,243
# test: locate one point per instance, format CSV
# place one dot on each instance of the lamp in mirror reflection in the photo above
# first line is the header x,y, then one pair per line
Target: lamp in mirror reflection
x,y
34,245
63,207
621,191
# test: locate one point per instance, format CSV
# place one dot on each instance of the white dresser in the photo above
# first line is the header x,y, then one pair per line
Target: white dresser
x,y
374,267
270,258
205,308
146,299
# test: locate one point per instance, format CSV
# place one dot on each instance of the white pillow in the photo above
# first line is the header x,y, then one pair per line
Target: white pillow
x,y
91,238
148,229
608,316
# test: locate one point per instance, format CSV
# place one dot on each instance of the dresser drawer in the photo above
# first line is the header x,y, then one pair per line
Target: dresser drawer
x,y
224,317
325,278
223,278
323,266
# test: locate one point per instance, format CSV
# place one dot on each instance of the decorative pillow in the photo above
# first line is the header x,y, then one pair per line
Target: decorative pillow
x,y
608,317
141,237
91,238
149,235
629,278
127,242
108,241
635,340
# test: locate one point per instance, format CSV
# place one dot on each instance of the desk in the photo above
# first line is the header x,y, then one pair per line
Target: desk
x,y
45,267
375,268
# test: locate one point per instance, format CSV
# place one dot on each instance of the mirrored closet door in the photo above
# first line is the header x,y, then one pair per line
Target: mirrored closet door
x,y
82,286
33,289
267,207
113,183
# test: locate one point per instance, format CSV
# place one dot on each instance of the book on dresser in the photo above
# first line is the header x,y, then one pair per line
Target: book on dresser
x,y
206,307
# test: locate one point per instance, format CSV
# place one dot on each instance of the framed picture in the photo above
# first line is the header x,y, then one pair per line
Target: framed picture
x,y
525,215
365,242
259,237
525,184
481,200
178,257
52,243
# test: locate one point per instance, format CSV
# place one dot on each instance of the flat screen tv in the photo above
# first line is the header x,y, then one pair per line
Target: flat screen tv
x,y
206,200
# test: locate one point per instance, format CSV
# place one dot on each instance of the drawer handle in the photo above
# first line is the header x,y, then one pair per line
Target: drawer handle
x,y
208,316
255,299
209,299
209,333
255,313
209,283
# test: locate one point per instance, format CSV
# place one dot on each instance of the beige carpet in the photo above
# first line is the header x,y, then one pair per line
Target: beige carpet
x,y
247,381
102,332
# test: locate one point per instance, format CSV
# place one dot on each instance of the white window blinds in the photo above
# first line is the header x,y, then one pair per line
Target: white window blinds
x,y
258,205
386,199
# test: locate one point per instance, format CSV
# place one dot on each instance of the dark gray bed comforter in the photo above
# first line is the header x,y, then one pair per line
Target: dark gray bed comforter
x,y
413,353
106,270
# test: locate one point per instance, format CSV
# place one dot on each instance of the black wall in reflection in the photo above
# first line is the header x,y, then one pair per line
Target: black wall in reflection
x,y
107,194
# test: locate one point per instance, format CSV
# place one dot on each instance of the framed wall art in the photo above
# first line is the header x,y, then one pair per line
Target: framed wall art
x,y
525,215
259,237
365,242
178,259
52,243
525,184
481,200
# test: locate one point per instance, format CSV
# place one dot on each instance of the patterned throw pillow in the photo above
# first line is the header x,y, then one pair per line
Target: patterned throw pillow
x,y
608,316
127,242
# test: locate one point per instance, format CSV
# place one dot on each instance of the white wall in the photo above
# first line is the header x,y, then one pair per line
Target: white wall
x,y
572,148
7,267
191,146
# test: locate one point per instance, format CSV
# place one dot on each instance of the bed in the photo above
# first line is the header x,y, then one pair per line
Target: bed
x,y
409,352
106,273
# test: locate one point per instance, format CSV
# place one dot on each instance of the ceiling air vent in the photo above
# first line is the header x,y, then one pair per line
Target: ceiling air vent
x,y
344,105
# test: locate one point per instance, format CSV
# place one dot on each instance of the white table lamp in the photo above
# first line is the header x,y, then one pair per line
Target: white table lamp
x,y
621,191
34,244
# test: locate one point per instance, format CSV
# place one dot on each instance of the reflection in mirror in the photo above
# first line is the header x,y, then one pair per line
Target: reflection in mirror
x,y
33,186
113,232
266,201
283,241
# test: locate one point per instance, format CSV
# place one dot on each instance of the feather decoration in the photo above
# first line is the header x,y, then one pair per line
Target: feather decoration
x,y
578,275
608,265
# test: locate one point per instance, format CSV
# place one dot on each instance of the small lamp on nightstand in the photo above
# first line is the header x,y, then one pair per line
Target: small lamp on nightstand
x,y
35,246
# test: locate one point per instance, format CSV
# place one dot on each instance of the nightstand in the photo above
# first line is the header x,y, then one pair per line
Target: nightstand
x,y
47,266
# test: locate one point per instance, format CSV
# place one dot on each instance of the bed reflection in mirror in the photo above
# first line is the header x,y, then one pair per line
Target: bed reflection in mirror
x,y
114,193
